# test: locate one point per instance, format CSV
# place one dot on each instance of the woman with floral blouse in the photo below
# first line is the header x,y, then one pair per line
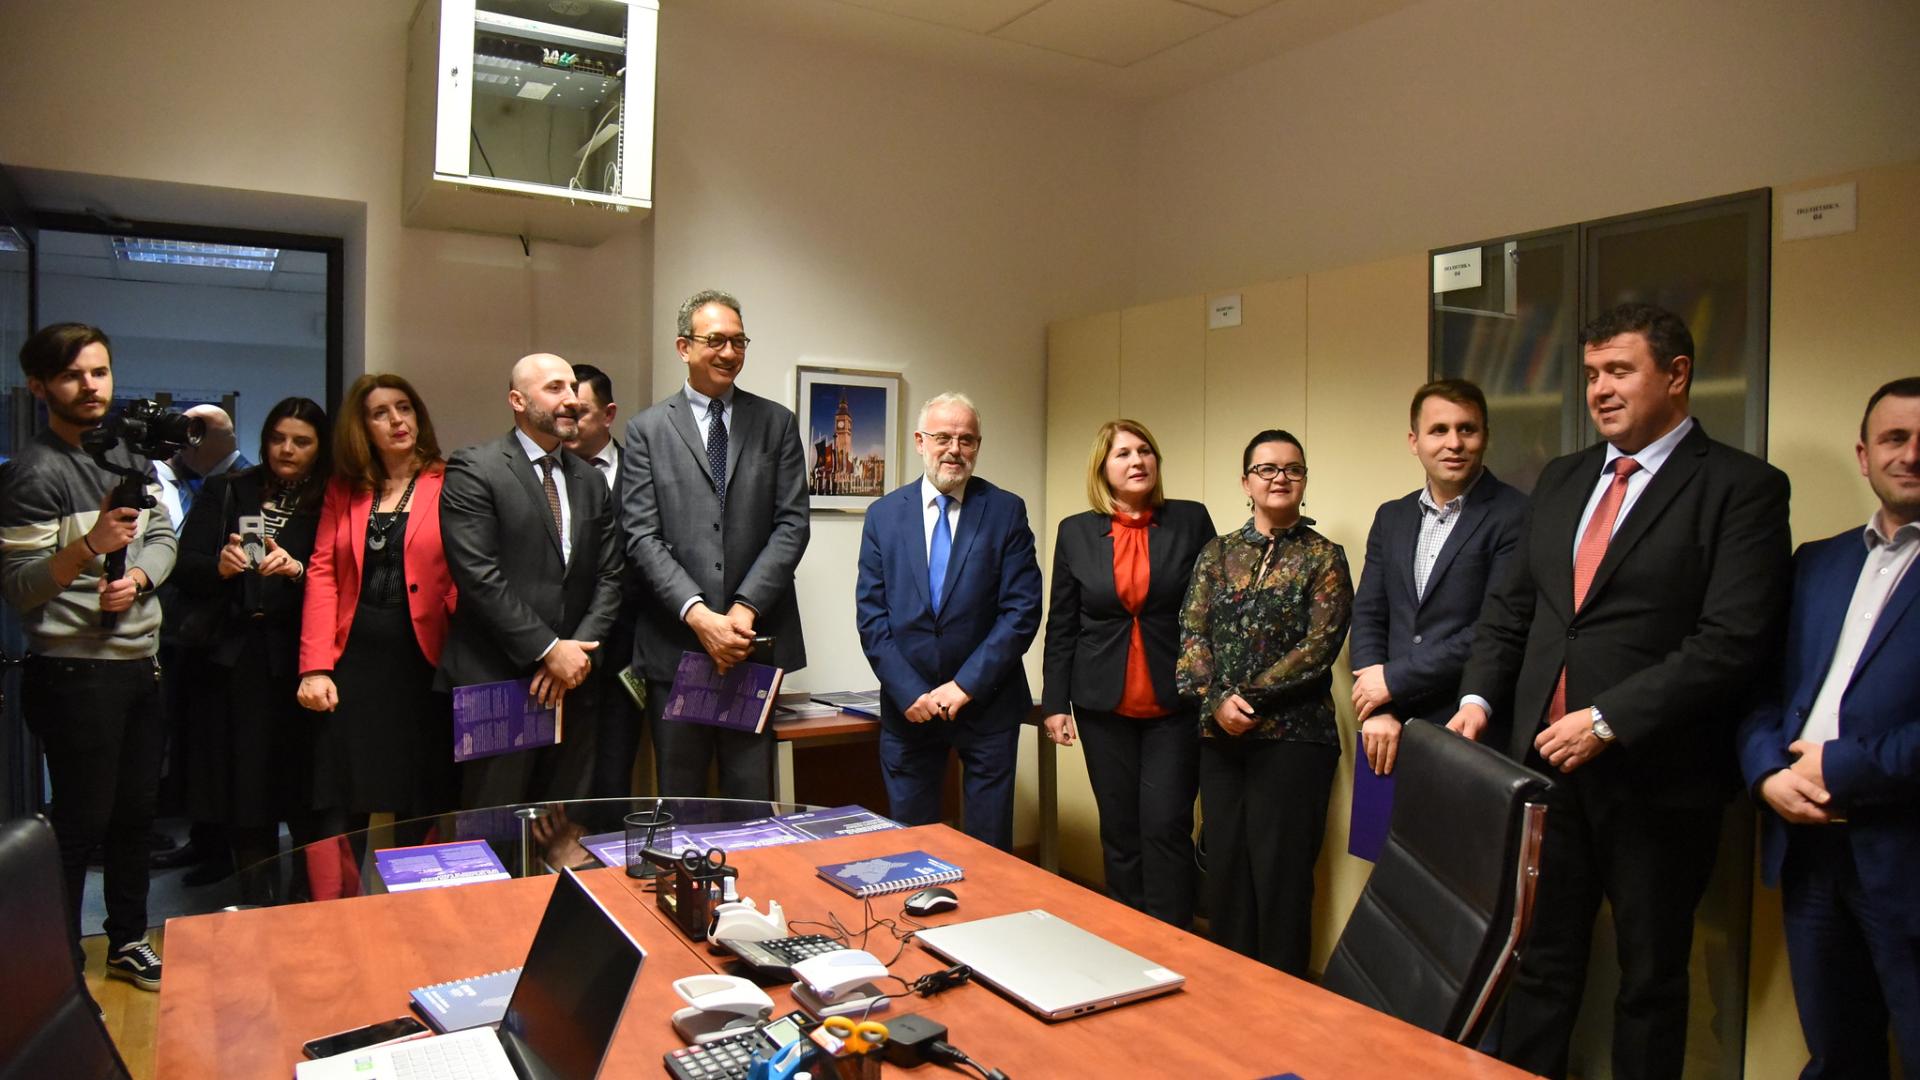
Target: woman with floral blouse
x,y
1263,621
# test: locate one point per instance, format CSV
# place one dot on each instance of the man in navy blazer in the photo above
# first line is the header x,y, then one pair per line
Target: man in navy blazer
x,y
1430,557
948,600
1834,758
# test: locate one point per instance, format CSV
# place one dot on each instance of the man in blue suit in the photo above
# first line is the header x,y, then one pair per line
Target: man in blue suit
x,y
1431,556
948,601
1835,757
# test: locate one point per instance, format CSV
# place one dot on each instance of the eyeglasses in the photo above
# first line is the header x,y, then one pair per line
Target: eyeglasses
x,y
717,342
1270,473
941,440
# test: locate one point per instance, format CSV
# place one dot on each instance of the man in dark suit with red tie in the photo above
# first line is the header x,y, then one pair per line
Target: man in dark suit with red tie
x,y
1834,758
1619,650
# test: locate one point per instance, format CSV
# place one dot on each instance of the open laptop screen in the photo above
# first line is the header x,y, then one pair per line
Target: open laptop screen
x,y
573,988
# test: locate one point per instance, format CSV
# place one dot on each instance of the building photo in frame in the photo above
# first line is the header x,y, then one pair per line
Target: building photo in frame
x,y
850,421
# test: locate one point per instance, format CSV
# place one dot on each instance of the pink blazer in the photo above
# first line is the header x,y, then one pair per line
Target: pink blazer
x,y
333,574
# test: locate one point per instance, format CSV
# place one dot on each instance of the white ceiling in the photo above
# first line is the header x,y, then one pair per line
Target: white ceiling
x,y
1138,50
91,255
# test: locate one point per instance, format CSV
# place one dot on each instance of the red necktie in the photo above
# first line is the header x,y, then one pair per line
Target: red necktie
x,y
1587,559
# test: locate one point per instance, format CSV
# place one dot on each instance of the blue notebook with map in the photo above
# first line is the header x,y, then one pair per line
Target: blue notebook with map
x,y
890,873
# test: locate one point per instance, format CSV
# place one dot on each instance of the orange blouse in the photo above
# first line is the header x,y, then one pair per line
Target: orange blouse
x,y
1131,574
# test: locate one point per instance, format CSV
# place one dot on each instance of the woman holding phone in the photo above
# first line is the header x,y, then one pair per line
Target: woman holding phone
x,y
244,550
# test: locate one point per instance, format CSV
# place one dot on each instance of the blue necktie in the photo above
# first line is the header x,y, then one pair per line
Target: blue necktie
x,y
717,447
939,551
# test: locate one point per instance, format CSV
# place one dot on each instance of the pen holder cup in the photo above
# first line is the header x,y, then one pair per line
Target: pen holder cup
x,y
643,828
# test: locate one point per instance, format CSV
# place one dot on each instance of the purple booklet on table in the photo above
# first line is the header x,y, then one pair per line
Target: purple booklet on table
x,y
740,700
431,866
500,718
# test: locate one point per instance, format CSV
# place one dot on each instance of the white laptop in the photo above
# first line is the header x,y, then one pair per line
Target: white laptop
x,y
1048,964
558,1024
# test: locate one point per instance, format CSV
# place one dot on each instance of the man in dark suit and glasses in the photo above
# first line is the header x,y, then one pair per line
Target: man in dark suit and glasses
x,y
1619,650
1430,557
713,499
1833,756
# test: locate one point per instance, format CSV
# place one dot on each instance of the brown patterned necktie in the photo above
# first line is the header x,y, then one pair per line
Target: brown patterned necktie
x,y
1588,557
547,465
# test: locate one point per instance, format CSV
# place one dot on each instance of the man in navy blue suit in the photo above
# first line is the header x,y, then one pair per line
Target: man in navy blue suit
x,y
948,601
1835,757
1430,557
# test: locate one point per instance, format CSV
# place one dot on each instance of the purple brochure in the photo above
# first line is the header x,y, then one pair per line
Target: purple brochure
x,y
501,718
432,866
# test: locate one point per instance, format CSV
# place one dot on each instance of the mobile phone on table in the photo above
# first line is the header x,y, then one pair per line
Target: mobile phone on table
x,y
399,1029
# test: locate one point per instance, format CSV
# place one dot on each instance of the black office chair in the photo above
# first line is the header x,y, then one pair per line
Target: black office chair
x,y
49,1025
1438,930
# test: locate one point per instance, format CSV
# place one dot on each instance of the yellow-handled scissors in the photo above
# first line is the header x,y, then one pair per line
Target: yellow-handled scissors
x,y
858,1036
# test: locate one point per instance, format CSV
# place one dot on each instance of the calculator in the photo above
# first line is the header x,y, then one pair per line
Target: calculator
x,y
774,958
730,1058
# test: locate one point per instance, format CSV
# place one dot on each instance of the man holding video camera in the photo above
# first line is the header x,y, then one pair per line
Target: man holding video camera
x,y
91,689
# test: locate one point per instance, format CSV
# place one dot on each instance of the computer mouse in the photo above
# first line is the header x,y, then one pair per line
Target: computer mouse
x,y
932,901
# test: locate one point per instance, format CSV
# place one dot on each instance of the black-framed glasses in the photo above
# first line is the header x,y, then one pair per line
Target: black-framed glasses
x,y
717,342
941,440
1270,472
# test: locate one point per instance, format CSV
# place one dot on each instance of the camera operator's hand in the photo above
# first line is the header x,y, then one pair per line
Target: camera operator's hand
x,y
279,563
318,693
118,595
115,527
233,557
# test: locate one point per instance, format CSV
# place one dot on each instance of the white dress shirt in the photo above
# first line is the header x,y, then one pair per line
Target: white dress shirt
x,y
1888,560
930,510
701,403
610,454
1436,524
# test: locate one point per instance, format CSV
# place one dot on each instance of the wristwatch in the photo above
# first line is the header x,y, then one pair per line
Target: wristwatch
x,y
1601,729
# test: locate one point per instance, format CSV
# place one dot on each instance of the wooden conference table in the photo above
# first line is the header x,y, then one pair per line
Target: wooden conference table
x,y
244,990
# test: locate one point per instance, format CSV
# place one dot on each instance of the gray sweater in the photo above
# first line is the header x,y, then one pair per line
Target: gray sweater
x,y
49,497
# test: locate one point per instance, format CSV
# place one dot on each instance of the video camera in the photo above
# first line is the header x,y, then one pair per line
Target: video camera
x,y
148,430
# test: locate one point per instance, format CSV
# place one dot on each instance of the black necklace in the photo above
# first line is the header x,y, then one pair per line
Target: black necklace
x,y
380,524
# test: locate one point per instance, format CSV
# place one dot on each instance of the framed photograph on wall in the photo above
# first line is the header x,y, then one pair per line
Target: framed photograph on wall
x,y
850,423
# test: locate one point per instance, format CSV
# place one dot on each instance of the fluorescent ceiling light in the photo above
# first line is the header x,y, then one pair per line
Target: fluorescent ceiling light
x,y
139,249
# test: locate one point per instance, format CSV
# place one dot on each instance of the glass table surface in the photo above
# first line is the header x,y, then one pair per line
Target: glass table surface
x,y
520,840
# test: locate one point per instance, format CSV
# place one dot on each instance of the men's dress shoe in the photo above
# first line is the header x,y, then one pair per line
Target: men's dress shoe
x,y
187,854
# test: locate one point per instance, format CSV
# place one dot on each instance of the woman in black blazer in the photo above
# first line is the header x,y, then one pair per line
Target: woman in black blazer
x,y
1120,572
252,743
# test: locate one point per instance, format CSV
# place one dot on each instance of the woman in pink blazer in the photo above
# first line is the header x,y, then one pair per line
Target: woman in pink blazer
x,y
378,596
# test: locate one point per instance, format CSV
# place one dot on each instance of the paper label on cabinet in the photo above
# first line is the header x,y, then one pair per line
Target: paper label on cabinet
x,y
1223,311
1456,270
1819,212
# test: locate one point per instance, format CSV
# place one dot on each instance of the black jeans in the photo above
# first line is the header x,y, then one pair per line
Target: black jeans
x,y
1145,774
100,722
1265,804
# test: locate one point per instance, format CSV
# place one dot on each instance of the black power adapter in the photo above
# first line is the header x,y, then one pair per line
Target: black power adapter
x,y
914,1039
908,1038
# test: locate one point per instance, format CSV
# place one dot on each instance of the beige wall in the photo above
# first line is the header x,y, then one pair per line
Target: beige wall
x,y
1450,121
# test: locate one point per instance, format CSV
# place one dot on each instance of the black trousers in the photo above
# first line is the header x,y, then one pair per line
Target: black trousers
x,y
619,724
1652,864
100,722
682,752
1145,774
1265,805
1855,959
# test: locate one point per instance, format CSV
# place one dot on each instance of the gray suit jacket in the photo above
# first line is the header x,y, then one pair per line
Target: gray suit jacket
x,y
685,544
503,551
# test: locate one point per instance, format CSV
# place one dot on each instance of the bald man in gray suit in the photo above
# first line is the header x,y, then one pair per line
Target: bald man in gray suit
x,y
713,499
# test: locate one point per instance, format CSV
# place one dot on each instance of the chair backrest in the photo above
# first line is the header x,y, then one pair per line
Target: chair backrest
x,y
1440,924
48,1024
